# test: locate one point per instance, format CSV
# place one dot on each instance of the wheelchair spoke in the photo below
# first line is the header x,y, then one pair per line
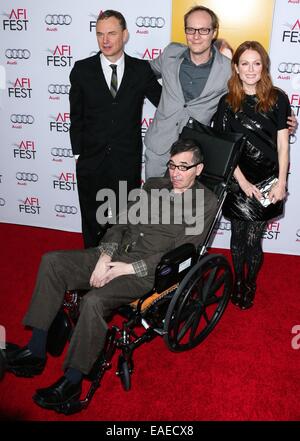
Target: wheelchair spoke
x,y
208,284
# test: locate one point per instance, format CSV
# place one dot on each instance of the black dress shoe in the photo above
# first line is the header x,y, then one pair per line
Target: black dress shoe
x,y
58,396
21,361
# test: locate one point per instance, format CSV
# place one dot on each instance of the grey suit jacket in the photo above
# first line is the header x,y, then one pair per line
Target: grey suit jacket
x,y
173,112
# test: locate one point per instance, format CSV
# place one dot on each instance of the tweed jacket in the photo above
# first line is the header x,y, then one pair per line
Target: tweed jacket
x,y
144,244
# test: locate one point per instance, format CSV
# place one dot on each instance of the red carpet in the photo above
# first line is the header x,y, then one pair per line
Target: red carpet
x,y
245,370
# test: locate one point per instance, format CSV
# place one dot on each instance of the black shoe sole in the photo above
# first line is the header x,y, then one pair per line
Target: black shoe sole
x,y
57,407
25,372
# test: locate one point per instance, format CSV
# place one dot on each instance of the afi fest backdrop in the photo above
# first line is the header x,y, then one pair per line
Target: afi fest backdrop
x,y
40,42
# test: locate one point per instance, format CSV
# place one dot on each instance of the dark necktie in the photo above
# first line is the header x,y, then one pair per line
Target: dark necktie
x,y
114,80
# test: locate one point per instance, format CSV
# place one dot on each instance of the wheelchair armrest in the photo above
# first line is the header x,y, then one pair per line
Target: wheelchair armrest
x,y
178,253
174,265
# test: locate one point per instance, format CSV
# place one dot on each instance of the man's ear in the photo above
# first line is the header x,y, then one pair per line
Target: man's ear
x,y
125,36
199,169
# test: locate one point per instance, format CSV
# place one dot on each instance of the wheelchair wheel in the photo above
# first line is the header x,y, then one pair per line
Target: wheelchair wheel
x,y
198,303
124,371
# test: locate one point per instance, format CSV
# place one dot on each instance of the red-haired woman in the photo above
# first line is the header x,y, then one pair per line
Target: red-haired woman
x,y
255,107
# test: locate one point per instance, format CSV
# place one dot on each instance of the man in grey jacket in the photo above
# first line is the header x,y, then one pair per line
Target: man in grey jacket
x,y
118,271
194,77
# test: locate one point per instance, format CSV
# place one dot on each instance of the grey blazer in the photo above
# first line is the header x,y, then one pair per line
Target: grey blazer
x,y
173,112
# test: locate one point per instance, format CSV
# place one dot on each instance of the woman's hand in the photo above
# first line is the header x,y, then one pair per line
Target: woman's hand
x,y
250,190
277,192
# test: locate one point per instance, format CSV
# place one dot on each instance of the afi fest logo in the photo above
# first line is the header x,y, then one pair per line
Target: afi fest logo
x,y
92,23
61,123
151,54
272,232
17,20
295,103
293,35
30,205
65,182
145,125
24,150
61,56
21,88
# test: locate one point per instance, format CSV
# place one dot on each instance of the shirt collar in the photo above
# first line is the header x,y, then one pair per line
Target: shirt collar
x,y
106,62
186,56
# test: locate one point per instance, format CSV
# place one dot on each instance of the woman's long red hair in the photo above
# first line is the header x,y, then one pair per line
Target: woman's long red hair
x,y
265,91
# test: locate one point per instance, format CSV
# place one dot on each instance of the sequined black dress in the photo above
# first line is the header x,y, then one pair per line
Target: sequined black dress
x,y
259,159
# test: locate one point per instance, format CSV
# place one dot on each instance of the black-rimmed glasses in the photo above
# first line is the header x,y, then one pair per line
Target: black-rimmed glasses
x,y
202,31
180,167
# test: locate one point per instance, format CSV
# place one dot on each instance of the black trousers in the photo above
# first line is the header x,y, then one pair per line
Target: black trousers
x,y
67,270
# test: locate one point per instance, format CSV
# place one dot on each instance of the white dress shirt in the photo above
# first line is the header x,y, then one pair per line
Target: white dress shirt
x,y
107,70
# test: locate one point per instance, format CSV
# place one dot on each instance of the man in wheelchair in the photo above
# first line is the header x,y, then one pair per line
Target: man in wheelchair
x,y
120,270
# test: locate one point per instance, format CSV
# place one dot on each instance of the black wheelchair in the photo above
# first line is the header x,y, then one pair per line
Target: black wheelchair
x,y
191,291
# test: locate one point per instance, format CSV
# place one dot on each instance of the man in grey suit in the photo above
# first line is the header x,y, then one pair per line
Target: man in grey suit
x,y
194,77
118,271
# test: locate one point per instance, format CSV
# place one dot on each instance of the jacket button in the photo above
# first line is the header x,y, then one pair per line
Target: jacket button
x,y
185,105
142,234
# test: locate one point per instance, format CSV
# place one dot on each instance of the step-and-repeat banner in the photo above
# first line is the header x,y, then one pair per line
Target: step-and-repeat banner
x,y
39,44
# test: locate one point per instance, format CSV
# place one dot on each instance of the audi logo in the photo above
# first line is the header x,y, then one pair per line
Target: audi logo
x,y
62,152
17,53
58,19
289,68
65,209
2,202
22,119
150,22
24,176
292,139
59,89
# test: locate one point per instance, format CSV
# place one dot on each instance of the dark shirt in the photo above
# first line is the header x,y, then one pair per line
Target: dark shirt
x,y
192,77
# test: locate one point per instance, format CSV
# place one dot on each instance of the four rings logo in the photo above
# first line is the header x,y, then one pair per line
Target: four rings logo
x,y
21,119
2,202
59,89
58,19
17,54
150,22
290,68
62,152
24,176
65,209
